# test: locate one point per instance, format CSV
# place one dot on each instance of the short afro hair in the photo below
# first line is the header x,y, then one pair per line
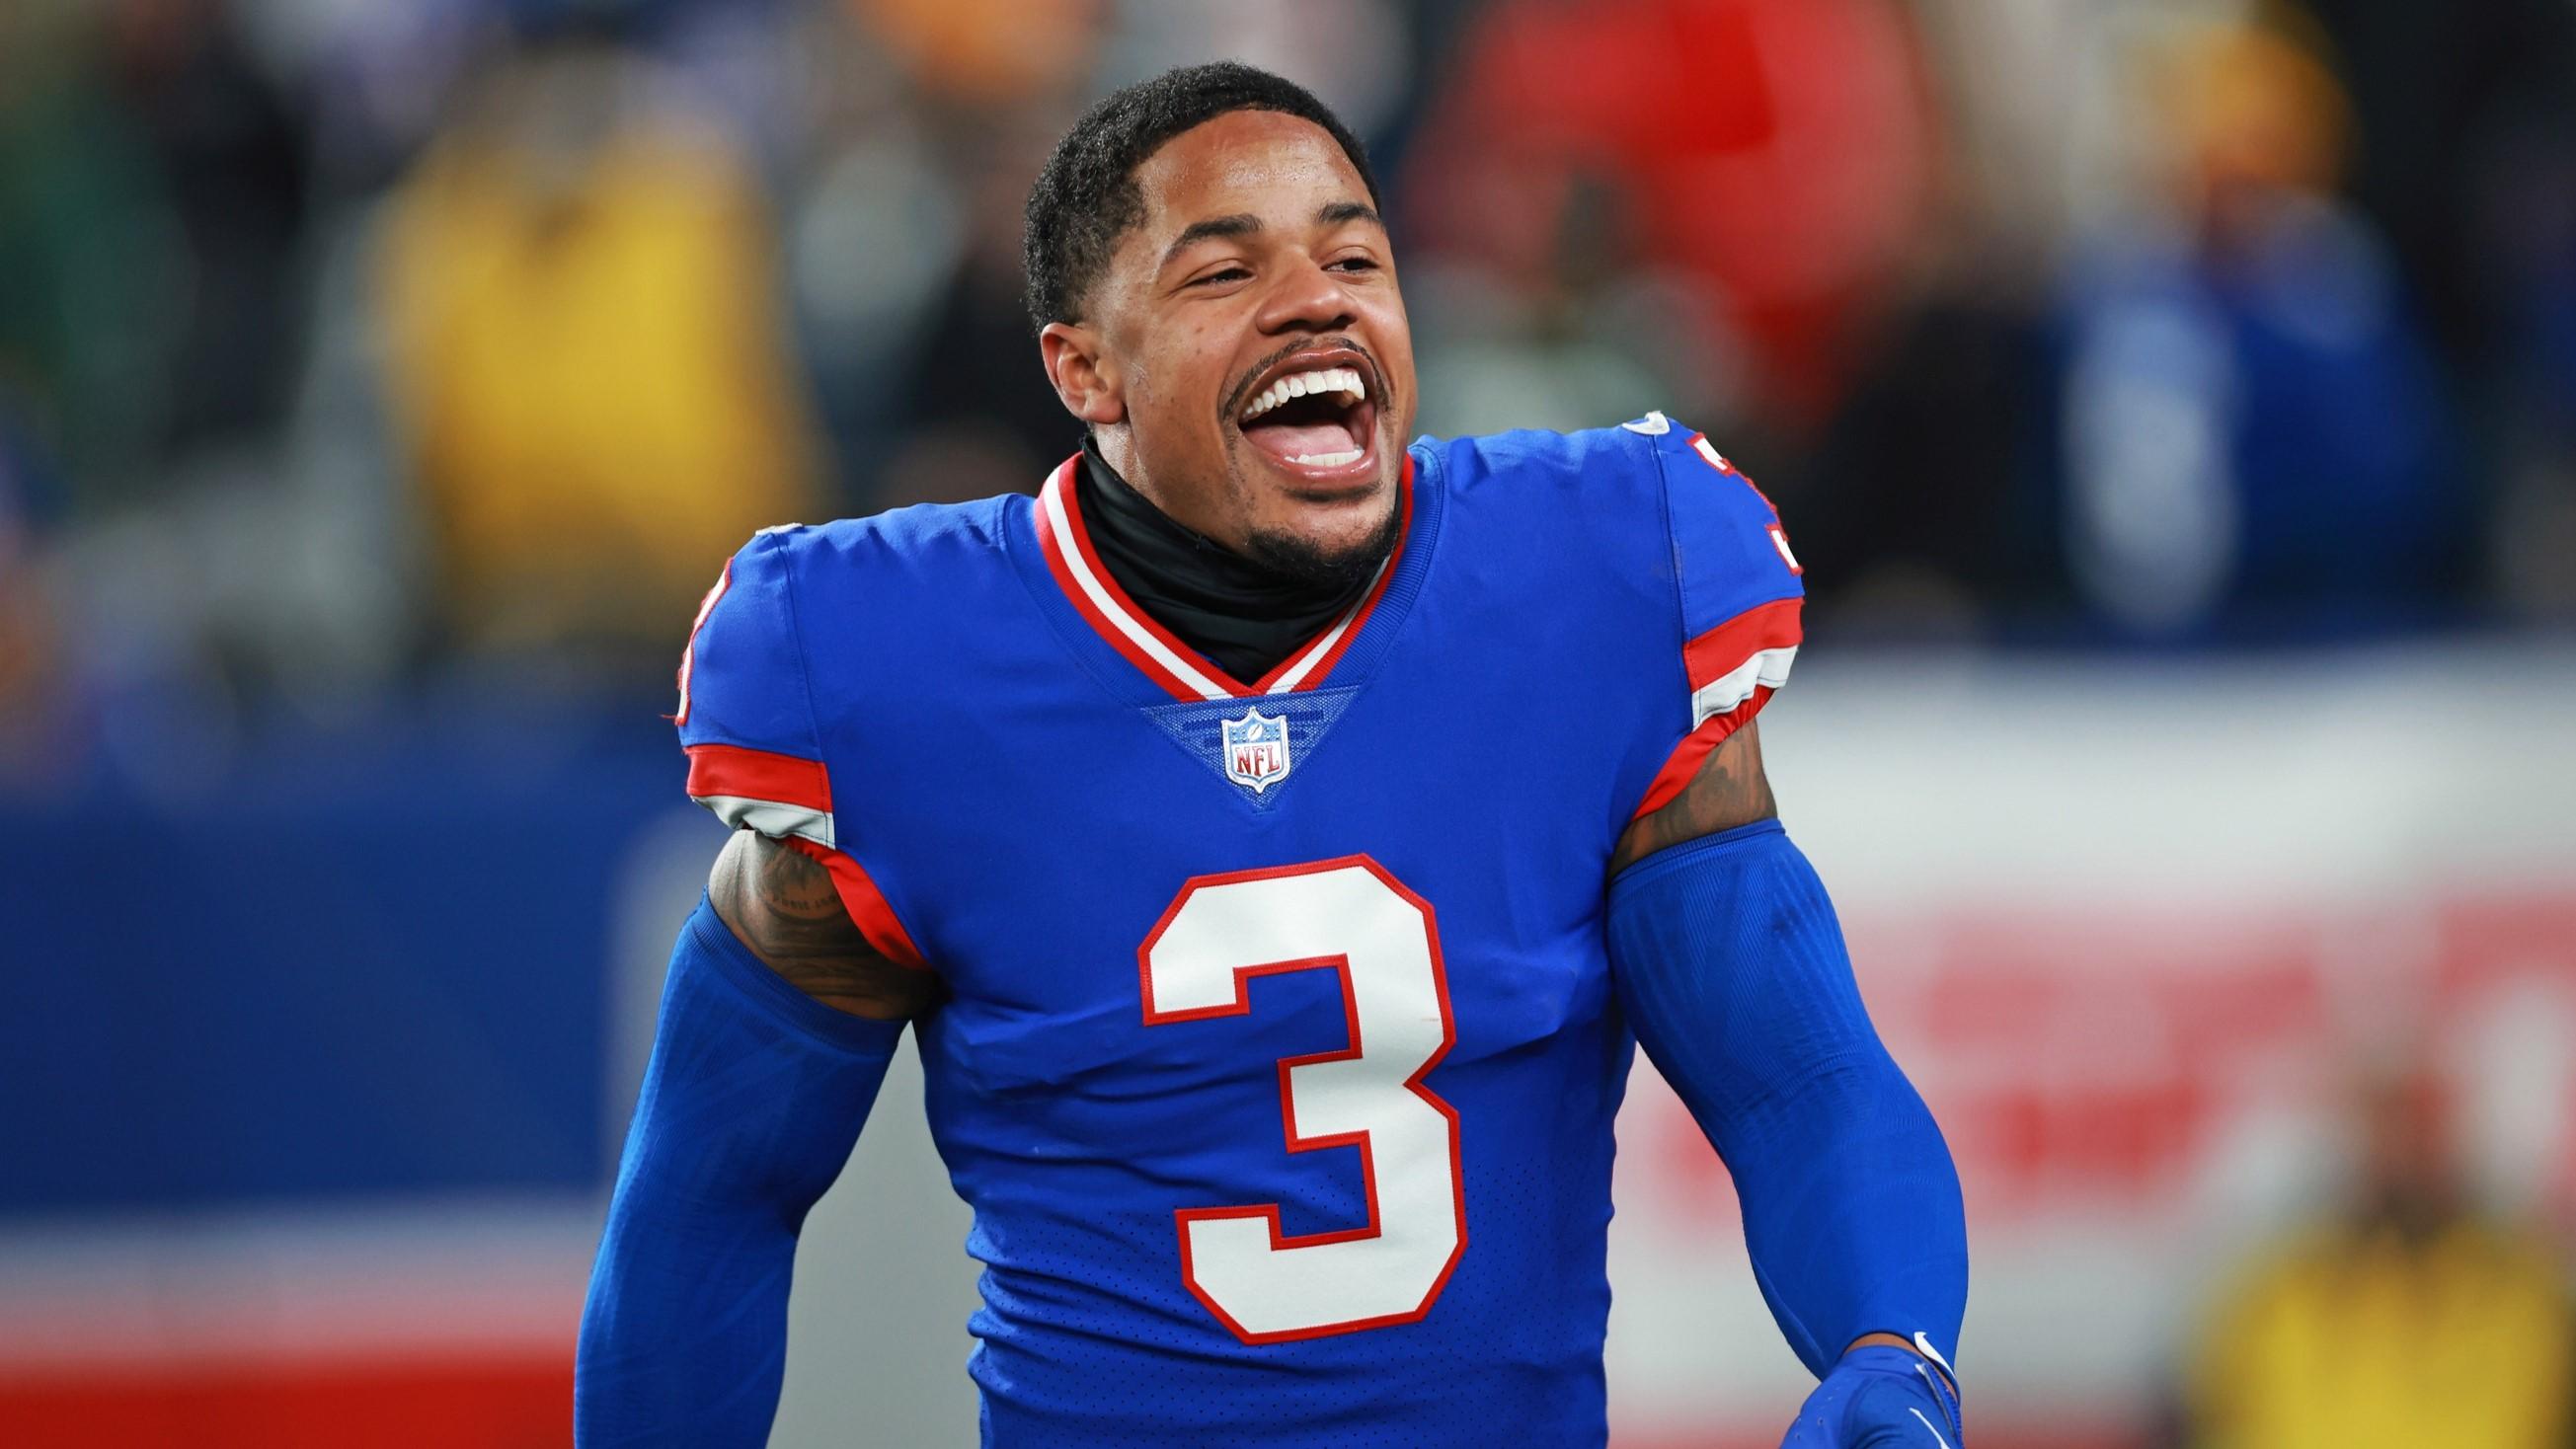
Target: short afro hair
x,y
1087,197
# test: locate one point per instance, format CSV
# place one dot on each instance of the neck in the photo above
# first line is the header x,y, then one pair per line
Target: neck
x,y
1245,616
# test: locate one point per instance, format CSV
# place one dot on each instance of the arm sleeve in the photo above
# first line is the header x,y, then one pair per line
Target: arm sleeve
x,y
747,724
1740,593
1731,967
753,1099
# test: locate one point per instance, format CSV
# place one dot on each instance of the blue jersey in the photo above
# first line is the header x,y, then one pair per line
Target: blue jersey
x,y
1279,1055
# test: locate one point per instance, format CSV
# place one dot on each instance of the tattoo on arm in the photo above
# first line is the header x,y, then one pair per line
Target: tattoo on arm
x,y
1729,790
784,907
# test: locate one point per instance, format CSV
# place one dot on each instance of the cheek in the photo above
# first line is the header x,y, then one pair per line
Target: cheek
x,y
1183,371
1394,337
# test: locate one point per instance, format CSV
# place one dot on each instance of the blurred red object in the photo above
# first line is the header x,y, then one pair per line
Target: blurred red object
x,y
500,1403
988,51
1777,150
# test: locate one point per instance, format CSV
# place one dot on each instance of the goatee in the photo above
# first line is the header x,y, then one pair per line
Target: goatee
x,y
1293,556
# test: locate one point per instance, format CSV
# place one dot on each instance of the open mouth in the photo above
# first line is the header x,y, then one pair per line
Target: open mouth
x,y
1316,417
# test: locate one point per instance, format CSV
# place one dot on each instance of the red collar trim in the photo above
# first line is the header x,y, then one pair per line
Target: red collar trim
x,y
1065,542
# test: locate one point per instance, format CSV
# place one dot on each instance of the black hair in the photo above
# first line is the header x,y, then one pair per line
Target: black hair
x,y
1087,197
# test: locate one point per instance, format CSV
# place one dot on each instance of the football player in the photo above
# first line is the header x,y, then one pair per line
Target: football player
x,y
1277,839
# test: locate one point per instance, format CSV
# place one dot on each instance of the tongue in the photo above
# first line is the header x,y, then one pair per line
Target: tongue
x,y
1302,440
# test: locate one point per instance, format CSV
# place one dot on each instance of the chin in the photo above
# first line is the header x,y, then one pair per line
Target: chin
x,y
1337,539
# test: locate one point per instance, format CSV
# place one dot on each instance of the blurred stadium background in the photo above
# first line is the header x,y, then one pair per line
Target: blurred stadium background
x,y
2174,402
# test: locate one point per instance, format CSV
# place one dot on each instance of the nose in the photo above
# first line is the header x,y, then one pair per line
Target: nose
x,y
1304,298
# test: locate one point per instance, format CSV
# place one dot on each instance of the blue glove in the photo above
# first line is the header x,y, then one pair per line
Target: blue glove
x,y
1878,1398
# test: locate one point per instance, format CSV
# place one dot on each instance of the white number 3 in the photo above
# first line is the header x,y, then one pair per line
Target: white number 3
x,y
1347,916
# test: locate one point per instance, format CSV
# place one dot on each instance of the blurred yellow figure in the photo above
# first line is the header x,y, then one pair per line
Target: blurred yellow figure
x,y
2254,107
2409,1321
584,348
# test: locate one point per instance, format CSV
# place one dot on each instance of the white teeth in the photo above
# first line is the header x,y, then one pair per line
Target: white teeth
x,y
1300,384
1327,460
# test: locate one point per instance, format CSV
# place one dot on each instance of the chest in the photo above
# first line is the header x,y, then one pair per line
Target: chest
x,y
1132,898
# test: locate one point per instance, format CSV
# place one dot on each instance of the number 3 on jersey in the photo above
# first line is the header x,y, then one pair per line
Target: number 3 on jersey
x,y
1347,916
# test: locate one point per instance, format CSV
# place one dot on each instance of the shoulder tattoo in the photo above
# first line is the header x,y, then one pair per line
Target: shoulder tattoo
x,y
783,906
1729,790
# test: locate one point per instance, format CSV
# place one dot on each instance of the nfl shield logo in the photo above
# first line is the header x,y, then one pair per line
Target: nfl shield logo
x,y
1256,749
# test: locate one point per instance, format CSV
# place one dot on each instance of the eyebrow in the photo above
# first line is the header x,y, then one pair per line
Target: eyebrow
x,y
1244,223
1241,223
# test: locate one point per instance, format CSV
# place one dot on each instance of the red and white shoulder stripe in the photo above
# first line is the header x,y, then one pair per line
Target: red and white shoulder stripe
x,y
1747,656
1732,669
790,800
777,795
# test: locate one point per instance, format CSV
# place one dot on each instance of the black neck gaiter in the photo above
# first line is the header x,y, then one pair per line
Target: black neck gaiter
x,y
1243,615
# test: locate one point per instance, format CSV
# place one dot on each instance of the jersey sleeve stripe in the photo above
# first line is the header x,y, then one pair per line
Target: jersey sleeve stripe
x,y
770,817
869,909
1733,669
731,770
778,795
1695,749
1723,652
1768,669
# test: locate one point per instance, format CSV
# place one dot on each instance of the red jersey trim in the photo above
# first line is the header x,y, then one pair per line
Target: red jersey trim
x,y
758,775
1727,667
1694,750
869,910
1064,540
1722,650
747,781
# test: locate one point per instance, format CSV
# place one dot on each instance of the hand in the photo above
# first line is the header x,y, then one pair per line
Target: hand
x,y
1878,1398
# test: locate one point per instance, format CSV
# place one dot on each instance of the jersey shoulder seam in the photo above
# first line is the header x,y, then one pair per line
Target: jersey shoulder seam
x,y
1672,554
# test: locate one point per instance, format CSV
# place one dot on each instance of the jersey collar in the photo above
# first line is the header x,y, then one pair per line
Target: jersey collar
x,y
1065,542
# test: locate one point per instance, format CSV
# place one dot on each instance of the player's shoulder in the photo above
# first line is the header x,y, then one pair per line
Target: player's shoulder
x,y
1651,484
1646,456
892,569
797,599
1610,476
914,553
1540,460
932,536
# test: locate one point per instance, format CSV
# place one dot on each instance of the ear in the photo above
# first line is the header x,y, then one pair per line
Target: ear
x,y
1086,379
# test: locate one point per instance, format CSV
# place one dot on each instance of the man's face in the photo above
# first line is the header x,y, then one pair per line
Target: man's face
x,y
1248,357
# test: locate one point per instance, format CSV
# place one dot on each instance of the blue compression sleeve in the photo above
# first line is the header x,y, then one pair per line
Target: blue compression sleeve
x,y
1732,970
754,1097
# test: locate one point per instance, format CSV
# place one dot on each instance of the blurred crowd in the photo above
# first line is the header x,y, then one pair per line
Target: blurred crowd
x,y
348,345
356,353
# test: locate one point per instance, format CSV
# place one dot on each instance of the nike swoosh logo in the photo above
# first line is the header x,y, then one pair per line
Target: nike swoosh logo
x,y
1923,1346
1927,1426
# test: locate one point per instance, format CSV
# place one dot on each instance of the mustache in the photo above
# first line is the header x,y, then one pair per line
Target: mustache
x,y
1235,395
